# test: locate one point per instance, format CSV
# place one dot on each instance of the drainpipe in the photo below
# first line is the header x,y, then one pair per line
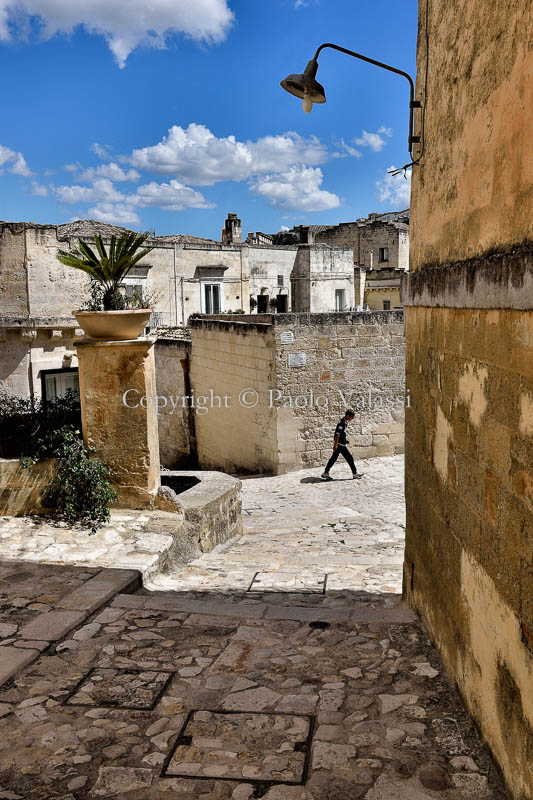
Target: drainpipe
x,y
175,289
28,306
182,303
242,297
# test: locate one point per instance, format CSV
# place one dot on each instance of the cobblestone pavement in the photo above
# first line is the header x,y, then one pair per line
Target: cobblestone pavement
x,y
212,692
298,529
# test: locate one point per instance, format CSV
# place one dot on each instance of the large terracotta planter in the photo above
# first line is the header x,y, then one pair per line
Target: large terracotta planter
x,y
113,325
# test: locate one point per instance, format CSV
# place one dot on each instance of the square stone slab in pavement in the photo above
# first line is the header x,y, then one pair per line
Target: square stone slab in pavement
x,y
120,688
241,746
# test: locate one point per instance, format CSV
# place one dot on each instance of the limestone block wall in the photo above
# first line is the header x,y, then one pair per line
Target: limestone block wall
x,y
26,352
13,287
469,330
21,487
367,238
230,358
175,419
263,266
289,380
353,360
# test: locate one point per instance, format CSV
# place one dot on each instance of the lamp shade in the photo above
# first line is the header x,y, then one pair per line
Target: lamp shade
x,y
304,84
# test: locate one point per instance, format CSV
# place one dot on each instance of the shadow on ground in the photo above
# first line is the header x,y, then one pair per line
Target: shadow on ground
x,y
226,695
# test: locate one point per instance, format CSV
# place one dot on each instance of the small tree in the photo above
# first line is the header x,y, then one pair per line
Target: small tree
x,y
107,268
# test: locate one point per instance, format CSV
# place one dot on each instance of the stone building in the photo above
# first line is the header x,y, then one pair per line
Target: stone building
x,y
269,389
380,245
469,334
182,275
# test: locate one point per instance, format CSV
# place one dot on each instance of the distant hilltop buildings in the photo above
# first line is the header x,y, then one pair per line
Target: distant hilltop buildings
x,y
315,268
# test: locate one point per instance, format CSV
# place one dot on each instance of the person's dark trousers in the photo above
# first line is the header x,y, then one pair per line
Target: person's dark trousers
x,y
341,450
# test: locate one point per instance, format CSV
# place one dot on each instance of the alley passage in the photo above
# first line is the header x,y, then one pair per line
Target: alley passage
x,y
282,667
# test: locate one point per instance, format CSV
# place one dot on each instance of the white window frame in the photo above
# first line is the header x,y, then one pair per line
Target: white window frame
x,y
211,283
61,378
340,294
385,252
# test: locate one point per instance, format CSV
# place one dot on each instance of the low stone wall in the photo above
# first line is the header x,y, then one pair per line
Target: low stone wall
x,y
175,419
274,390
211,510
21,487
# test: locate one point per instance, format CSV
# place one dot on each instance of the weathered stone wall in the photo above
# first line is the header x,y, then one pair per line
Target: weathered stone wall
x,y
175,419
229,358
119,415
27,351
352,360
21,487
366,238
319,271
286,417
13,286
469,325
263,265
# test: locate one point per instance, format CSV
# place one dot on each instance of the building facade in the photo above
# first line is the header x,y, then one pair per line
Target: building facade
x,y
469,335
181,276
380,246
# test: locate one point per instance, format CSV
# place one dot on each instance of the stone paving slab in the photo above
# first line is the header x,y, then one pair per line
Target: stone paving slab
x,y
297,528
34,606
131,540
52,625
13,659
100,589
386,724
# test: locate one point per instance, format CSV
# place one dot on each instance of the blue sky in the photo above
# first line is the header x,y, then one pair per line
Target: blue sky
x,y
167,114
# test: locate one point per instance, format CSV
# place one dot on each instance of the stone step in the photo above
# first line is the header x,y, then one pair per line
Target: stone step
x,y
66,615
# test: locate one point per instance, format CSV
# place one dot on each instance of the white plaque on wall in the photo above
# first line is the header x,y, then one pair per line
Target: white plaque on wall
x,y
297,359
287,337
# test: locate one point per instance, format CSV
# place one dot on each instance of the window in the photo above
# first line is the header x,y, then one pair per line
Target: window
x,y
262,302
280,280
56,384
282,302
212,298
383,253
339,300
134,289
386,305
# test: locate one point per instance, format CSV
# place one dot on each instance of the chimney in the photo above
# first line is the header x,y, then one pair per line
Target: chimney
x,y
232,231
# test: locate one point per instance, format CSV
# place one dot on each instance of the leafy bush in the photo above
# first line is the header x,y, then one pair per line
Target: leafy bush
x,y
80,490
23,422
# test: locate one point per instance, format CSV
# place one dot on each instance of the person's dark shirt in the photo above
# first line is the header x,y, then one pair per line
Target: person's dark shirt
x,y
340,431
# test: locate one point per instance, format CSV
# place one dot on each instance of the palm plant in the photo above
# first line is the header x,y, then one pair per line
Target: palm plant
x,y
107,268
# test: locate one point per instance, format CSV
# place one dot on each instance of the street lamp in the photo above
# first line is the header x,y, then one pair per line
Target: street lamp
x,y
306,87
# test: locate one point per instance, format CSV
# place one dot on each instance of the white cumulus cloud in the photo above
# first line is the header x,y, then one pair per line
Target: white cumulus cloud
x,y
112,171
38,189
101,189
395,189
120,208
199,157
173,196
14,162
115,213
296,189
374,141
125,24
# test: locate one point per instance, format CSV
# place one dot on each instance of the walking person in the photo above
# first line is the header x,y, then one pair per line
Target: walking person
x,y
340,448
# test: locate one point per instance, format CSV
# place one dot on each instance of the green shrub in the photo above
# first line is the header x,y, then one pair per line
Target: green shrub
x,y
24,422
80,490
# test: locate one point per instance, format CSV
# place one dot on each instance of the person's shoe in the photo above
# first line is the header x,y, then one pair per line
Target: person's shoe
x,y
326,476
357,476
